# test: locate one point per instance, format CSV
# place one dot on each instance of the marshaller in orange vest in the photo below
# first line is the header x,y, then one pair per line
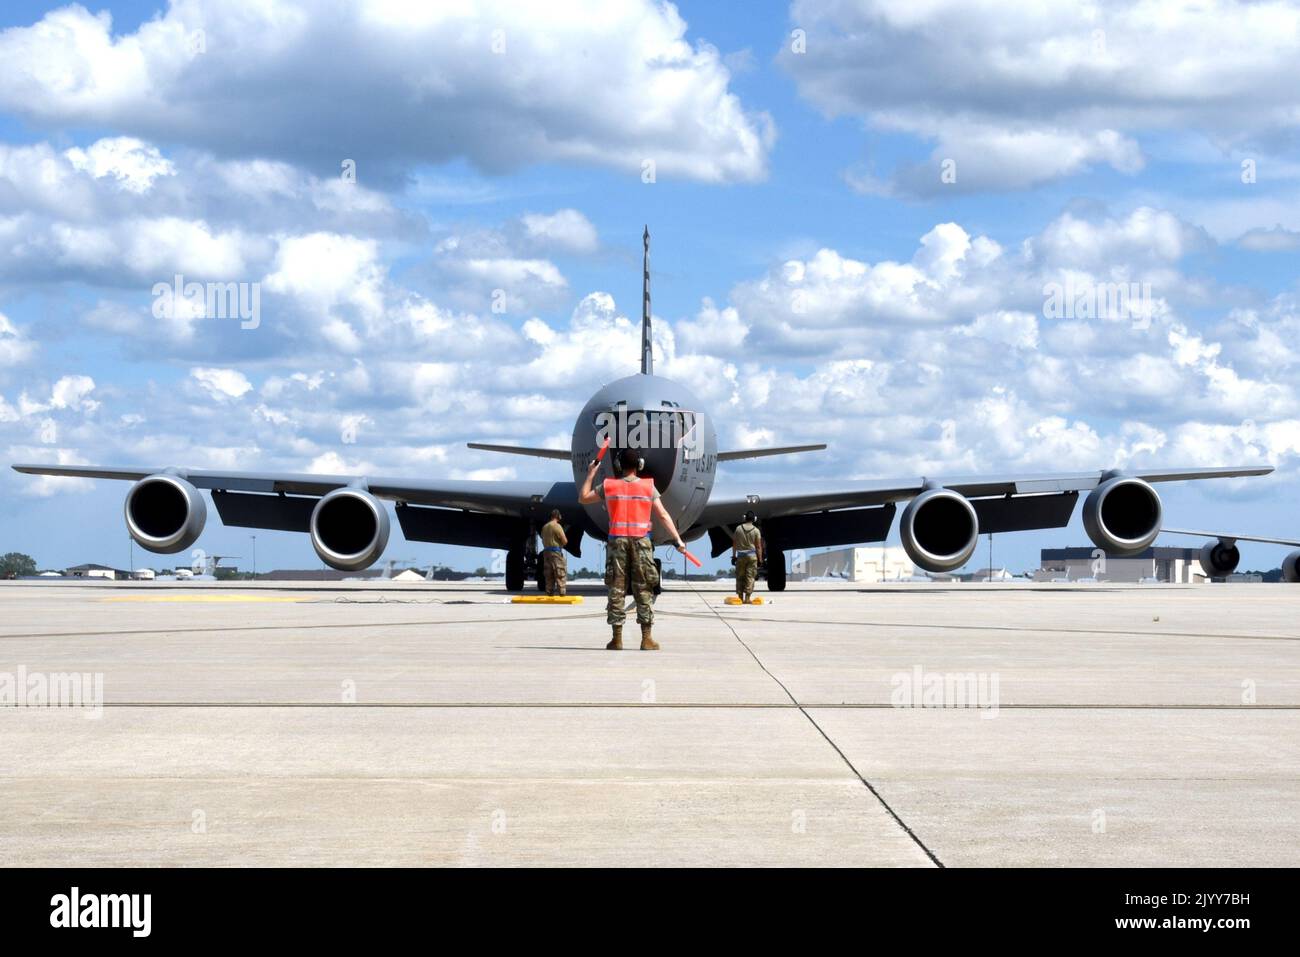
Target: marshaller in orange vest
x,y
630,557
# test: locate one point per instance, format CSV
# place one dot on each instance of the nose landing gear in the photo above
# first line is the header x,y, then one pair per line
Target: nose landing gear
x,y
774,569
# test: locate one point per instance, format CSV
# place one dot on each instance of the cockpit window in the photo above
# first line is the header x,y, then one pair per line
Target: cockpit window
x,y
656,433
645,429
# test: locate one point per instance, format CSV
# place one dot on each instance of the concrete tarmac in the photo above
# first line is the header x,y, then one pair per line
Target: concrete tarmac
x,y
436,724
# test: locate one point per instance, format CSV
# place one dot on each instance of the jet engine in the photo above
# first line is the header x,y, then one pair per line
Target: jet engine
x,y
1291,568
940,530
349,529
164,513
1219,558
1122,516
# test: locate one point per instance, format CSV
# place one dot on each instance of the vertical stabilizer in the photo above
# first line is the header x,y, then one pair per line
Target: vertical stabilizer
x,y
647,351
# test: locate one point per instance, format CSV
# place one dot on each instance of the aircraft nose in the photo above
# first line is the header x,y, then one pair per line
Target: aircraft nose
x,y
659,465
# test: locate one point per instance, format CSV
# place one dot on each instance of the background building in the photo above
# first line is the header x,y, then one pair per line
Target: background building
x,y
861,564
990,575
93,570
1087,562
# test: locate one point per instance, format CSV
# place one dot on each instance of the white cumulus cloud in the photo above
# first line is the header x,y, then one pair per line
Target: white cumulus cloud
x,y
222,384
501,84
1013,94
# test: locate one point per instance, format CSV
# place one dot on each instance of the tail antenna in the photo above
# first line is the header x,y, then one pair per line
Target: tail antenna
x,y
647,350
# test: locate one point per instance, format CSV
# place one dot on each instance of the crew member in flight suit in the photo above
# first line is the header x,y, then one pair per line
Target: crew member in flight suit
x,y
630,556
747,549
554,564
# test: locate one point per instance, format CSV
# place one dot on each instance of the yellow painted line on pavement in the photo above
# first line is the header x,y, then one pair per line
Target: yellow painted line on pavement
x,y
206,598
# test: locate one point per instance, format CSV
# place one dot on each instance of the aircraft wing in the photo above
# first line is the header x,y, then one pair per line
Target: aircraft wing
x,y
1229,537
737,454
481,514
500,498
561,454
727,506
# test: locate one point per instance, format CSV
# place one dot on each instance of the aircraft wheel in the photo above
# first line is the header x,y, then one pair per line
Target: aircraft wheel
x,y
775,570
659,567
541,576
515,570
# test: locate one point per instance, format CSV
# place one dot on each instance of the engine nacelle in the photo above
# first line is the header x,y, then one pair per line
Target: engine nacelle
x,y
1291,568
1219,558
349,529
940,530
1122,516
164,513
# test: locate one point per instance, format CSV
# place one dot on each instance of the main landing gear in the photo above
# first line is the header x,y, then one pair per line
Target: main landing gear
x,y
522,563
515,569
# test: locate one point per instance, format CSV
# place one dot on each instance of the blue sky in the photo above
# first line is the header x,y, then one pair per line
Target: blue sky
x,y
816,275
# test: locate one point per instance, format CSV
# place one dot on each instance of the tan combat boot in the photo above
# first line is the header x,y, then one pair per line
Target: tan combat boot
x,y
616,643
648,643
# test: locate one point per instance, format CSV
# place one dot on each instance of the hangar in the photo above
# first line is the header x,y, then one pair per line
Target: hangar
x,y
861,564
1173,565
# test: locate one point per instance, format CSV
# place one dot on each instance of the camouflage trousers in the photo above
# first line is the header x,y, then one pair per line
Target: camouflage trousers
x,y
556,567
630,566
746,571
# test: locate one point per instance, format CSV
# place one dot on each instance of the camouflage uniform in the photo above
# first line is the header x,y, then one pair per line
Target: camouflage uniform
x,y
554,563
630,562
745,539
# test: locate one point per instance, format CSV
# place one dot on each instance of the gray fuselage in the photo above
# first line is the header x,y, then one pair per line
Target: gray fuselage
x,y
665,423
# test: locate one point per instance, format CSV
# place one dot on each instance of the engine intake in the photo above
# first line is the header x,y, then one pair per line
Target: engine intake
x,y
349,529
164,513
1122,516
940,530
1219,558
1291,568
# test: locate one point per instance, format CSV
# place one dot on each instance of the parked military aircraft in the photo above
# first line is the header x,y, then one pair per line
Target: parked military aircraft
x,y
349,524
1220,557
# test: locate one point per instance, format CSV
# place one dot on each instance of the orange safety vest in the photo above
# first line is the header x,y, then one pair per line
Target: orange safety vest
x,y
629,505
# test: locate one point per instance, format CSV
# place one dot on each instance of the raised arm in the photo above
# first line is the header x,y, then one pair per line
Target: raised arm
x,y
588,495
